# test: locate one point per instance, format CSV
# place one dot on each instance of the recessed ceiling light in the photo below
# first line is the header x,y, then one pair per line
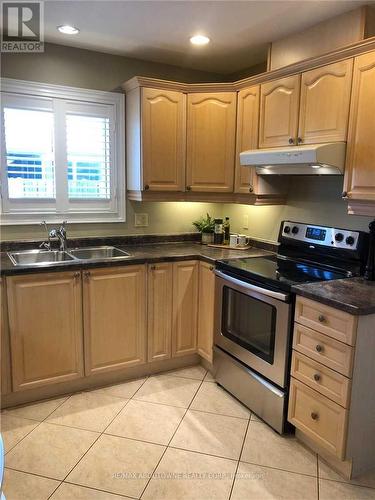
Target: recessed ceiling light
x,y
199,40
68,30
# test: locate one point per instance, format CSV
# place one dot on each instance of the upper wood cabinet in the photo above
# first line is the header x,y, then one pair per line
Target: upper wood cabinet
x,y
211,133
185,307
114,318
45,317
360,159
206,310
279,104
324,106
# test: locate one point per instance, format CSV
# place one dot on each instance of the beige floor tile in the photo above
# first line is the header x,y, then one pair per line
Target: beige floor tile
x,y
14,428
50,450
147,421
188,475
262,483
196,372
89,411
213,434
125,390
212,398
209,377
334,490
117,465
255,418
167,390
68,491
263,446
325,472
22,486
36,411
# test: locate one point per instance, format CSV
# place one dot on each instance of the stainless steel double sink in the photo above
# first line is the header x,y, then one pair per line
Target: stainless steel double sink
x,y
53,257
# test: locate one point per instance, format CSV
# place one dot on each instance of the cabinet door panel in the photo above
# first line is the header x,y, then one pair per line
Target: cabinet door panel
x,y
211,135
185,308
45,314
163,139
206,310
360,158
114,318
159,311
247,136
325,99
279,104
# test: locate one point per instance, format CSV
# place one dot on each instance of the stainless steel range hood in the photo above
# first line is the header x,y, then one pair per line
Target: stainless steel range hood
x,y
314,159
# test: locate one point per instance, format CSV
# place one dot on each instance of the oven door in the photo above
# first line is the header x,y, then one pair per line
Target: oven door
x,y
253,324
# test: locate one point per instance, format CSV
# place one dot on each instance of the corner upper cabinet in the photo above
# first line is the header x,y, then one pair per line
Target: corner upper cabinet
x,y
211,135
156,139
279,105
359,183
324,104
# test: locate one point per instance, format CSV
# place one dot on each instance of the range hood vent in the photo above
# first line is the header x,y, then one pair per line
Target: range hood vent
x,y
314,159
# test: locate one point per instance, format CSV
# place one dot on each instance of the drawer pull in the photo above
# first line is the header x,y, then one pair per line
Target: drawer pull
x,y
317,377
322,318
319,348
314,416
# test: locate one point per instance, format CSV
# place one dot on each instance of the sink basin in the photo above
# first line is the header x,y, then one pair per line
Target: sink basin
x,y
39,257
97,253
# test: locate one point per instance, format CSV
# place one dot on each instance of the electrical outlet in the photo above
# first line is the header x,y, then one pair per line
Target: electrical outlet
x,y
140,220
245,222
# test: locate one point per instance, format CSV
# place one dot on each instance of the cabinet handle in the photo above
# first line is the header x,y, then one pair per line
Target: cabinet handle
x,y
344,194
188,188
316,377
314,415
291,140
319,348
152,268
322,318
147,187
251,189
299,140
212,268
77,274
87,274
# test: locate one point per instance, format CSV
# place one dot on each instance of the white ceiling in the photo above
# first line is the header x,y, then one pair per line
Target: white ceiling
x,y
159,30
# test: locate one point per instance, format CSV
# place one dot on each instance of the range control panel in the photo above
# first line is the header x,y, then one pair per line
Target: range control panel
x,y
320,235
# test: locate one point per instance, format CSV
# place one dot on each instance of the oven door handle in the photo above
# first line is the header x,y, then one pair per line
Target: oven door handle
x,y
253,288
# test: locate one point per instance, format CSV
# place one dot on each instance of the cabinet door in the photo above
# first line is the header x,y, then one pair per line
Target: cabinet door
x,y
5,372
114,318
211,132
163,139
324,107
206,310
360,158
279,104
45,315
159,311
247,137
185,308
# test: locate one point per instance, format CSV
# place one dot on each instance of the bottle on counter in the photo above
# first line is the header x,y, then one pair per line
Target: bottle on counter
x,y
218,232
226,231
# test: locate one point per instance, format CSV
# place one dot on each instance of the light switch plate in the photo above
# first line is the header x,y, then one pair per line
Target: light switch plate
x,y
140,220
245,222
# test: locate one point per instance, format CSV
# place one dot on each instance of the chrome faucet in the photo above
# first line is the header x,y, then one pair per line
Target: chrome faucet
x,y
60,234
46,244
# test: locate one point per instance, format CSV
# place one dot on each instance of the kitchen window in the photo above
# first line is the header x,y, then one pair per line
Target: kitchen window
x,y
62,154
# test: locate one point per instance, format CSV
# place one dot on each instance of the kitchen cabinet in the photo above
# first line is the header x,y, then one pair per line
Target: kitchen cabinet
x,y
114,318
160,311
279,104
211,134
359,184
45,317
206,310
5,372
185,307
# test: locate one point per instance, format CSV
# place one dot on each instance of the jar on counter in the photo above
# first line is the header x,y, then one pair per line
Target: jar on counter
x,y
219,232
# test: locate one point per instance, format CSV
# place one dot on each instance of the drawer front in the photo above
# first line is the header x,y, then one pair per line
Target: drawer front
x,y
323,349
336,324
331,384
318,417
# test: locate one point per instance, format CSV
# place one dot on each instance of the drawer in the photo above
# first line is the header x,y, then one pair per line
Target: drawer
x,y
322,420
323,349
335,323
331,384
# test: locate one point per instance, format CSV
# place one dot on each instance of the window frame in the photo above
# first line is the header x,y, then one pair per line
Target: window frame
x,y
19,211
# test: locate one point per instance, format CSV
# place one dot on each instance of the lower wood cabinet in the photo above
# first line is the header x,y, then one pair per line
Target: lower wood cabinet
x,y
45,318
114,318
206,310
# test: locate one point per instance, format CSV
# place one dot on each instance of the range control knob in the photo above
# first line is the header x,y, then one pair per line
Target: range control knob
x,y
295,230
287,229
339,237
350,240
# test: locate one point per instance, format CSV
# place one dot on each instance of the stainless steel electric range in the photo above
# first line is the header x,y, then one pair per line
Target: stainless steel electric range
x,y
254,308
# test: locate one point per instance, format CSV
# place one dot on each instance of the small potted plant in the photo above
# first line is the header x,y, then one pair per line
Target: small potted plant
x,y
205,226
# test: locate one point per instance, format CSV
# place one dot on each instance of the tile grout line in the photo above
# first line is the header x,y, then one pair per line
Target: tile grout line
x,y
239,459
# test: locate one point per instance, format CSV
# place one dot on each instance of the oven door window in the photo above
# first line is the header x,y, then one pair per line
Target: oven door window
x,y
249,322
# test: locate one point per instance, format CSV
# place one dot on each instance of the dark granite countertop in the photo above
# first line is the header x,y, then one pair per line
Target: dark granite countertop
x,y
353,295
139,253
